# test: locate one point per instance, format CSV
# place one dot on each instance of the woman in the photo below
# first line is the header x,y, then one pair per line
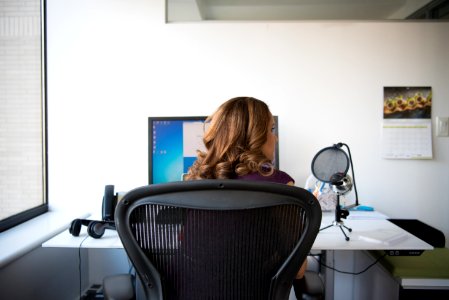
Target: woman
x,y
240,144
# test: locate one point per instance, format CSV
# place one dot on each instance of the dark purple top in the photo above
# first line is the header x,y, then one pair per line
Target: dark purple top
x,y
277,176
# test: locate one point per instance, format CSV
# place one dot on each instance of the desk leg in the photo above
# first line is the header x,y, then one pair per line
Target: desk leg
x,y
328,259
83,269
339,286
344,261
375,283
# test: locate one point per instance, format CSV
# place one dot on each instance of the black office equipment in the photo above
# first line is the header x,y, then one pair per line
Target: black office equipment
x,y
331,165
422,230
232,238
96,228
109,203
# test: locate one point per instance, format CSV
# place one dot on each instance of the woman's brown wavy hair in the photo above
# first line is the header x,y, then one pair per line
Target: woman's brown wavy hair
x,y
237,131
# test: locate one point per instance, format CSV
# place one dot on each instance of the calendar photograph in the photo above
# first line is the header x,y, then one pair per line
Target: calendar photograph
x,y
407,102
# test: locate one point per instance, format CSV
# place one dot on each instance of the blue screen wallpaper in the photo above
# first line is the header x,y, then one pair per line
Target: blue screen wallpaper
x,y
174,145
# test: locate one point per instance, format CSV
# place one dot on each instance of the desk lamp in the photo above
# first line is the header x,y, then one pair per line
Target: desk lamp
x,y
331,165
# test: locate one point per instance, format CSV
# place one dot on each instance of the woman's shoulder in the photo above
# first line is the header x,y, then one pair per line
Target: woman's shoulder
x,y
278,176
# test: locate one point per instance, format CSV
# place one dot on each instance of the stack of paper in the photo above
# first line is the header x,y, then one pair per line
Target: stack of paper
x,y
365,215
383,236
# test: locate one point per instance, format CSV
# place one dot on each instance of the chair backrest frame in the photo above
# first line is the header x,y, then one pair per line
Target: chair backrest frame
x,y
228,195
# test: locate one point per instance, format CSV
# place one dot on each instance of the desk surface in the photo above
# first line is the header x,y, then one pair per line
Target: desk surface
x,y
370,231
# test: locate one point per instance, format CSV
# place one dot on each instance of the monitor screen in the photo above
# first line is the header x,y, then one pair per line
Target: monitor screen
x,y
172,146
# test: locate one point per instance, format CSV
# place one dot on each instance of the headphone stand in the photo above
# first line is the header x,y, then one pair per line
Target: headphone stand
x,y
339,214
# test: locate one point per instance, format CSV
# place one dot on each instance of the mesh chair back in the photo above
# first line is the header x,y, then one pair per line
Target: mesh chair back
x,y
218,239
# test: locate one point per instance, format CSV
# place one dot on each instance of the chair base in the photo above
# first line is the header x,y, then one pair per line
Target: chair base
x,y
118,287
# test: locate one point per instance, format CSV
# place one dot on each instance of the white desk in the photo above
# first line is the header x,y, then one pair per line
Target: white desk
x,y
370,231
109,240
365,226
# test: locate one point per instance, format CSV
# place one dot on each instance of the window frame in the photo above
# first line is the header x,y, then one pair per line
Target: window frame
x,y
31,213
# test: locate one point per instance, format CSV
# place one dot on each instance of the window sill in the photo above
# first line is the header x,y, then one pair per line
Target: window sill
x,y
21,239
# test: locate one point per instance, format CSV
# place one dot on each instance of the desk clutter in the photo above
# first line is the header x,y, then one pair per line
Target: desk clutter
x,y
97,228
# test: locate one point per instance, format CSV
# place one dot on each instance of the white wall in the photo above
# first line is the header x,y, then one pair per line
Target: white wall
x,y
112,63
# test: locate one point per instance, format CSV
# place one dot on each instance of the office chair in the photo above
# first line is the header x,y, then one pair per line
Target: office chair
x,y
217,239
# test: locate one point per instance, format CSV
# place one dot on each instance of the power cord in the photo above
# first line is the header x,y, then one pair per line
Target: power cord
x,y
132,271
350,273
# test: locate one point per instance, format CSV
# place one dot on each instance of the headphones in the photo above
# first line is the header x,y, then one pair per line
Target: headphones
x,y
96,229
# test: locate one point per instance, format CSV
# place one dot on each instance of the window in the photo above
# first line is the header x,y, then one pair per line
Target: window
x,y
22,112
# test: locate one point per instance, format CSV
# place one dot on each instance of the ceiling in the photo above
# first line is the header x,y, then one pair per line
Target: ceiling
x,y
253,10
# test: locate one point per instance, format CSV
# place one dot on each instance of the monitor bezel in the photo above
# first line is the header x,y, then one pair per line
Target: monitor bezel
x,y
151,120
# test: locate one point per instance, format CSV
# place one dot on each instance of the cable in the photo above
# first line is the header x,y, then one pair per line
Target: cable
x,y
133,272
131,266
350,273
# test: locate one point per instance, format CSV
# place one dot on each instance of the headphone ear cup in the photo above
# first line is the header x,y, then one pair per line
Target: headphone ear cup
x,y
96,229
75,227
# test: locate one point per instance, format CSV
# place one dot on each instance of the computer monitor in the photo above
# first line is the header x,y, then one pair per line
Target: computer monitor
x,y
172,146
